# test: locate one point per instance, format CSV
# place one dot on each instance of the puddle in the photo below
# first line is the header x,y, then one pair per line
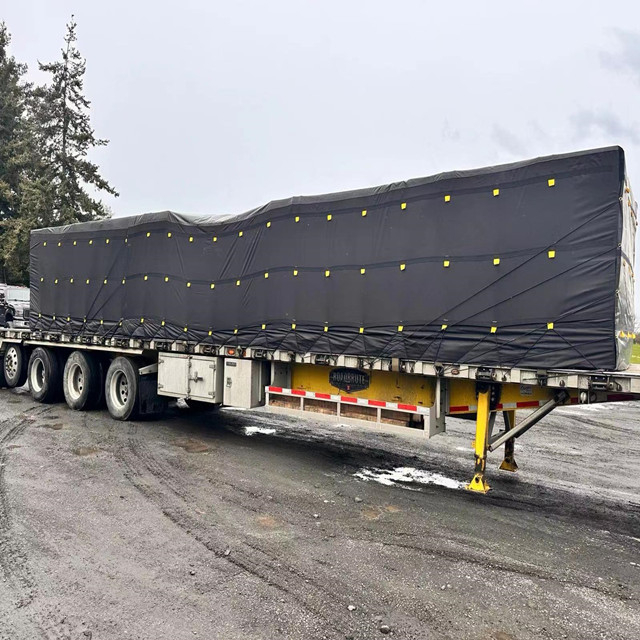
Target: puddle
x,y
250,431
85,451
190,445
407,475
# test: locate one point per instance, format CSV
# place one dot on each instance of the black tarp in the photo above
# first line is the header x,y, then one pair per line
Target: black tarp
x,y
514,265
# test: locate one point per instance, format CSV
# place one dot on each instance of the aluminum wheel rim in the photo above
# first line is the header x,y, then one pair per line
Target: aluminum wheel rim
x,y
76,381
11,362
119,389
36,379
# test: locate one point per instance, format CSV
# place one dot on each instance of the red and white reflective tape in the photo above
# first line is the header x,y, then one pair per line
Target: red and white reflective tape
x,y
408,408
502,406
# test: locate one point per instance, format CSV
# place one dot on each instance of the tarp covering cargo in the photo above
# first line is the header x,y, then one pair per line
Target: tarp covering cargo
x,y
522,265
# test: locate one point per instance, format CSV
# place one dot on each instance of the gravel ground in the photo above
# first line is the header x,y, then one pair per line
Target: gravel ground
x,y
238,524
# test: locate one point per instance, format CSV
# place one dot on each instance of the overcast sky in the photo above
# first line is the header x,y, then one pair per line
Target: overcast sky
x,y
218,107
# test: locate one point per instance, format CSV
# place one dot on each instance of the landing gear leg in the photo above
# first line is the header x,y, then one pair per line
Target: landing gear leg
x,y
479,482
509,462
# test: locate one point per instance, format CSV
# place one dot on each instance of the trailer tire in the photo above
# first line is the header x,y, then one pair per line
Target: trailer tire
x,y
45,375
121,389
81,381
15,366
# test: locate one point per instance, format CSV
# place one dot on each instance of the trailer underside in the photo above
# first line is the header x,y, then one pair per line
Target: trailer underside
x,y
403,396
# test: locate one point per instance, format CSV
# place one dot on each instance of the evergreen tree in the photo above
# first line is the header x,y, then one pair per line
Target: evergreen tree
x,y
45,138
65,137
12,107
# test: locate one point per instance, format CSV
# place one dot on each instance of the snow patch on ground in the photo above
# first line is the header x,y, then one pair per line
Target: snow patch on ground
x,y
250,431
392,477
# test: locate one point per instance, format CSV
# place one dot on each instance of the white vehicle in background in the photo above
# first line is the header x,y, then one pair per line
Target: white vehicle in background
x,y
17,302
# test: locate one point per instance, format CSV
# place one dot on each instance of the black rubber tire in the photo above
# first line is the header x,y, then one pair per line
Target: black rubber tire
x,y
3,382
45,375
121,389
14,365
198,406
81,381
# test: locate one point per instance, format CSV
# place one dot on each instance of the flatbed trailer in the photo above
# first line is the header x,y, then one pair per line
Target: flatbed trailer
x,y
137,376
465,294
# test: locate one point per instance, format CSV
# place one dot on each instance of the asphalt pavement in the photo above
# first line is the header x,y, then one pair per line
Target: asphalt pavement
x,y
249,525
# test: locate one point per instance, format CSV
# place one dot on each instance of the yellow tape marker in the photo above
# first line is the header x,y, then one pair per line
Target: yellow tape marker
x,y
55,281
240,234
124,280
168,234
549,325
496,192
87,281
268,224
235,331
295,272
107,241
403,205
327,273
362,271
44,244
551,253
494,329
188,285
237,283
326,329
266,274
264,326
59,244
361,329
551,182
141,320
215,238
400,327
146,278
213,285
446,263
447,198
329,217
297,218
403,266
364,215
190,238
293,325
496,262
186,329
162,323
443,327
75,243
71,280
104,281
41,279
90,242
148,234
166,278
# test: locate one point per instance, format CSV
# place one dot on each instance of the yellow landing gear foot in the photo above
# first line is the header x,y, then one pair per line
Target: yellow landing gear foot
x,y
478,484
481,442
509,465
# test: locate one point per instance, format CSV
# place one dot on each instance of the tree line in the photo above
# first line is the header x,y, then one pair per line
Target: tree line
x,y
46,177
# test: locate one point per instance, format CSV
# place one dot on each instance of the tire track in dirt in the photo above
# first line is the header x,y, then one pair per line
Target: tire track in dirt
x,y
321,595
13,557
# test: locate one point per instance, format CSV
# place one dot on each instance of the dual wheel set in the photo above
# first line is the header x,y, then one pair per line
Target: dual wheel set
x,y
84,379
